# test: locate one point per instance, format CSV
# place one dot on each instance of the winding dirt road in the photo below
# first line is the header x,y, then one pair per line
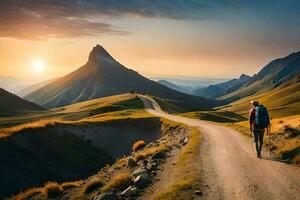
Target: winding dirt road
x,y
229,167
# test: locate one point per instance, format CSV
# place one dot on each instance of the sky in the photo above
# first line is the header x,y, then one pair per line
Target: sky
x,y
43,39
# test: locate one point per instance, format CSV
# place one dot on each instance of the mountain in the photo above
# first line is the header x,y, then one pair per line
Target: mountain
x,y
277,73
12,84
218,90
31,88
103,76
10,103
174,86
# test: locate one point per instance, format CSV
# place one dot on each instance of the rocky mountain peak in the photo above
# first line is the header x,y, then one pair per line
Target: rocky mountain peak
x,y
100,54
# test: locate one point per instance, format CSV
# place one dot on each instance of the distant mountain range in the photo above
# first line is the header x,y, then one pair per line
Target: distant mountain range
x,y
277,73
173,86
103,76
10,103
218,90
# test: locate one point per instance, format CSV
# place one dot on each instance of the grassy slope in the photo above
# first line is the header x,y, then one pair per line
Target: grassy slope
x,y
11,104
35,145
174,107
40,155
280,102
79,111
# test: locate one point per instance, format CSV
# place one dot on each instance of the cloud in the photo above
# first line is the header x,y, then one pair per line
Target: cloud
x,y
41,19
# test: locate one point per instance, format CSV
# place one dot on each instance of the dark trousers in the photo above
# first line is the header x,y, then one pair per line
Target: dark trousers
x,y
258,135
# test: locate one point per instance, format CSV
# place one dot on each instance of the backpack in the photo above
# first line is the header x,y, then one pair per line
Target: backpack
x,y
261,117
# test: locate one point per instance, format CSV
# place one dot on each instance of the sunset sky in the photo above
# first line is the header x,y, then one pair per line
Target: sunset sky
x,y
166,38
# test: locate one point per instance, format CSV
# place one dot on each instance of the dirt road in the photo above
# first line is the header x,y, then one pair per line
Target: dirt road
x,y
229,167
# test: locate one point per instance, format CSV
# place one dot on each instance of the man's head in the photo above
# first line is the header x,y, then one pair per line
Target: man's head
x,y
254,103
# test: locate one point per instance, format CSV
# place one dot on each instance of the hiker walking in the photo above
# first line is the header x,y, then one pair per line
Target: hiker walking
x,y
259,121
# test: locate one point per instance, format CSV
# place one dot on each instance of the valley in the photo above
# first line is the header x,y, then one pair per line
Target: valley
x,y
78,136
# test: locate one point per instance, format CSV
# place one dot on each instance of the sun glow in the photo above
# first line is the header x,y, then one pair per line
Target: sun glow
x,y
38,65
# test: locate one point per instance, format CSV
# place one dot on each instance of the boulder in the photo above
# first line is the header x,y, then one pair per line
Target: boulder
x,y
107,196
130,191
141,181
159,155
131,162
139,172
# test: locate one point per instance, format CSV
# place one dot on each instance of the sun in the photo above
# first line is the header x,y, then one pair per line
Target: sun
x,y
38,65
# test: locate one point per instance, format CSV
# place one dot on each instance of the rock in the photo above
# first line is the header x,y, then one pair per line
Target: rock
x,y
130,191
198,192
139,172
107,196
131,162
184,140
141,181
159,155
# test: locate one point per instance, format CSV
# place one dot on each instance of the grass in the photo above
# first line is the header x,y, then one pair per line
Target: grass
x,y
187,172
138,145
120,182
70,185
50,190
27,194
150,151
92,185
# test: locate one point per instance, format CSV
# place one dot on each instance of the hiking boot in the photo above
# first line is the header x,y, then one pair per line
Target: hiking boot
x,y
259,155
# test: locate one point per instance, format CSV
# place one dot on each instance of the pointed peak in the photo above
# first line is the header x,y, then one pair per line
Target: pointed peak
x,y
99,53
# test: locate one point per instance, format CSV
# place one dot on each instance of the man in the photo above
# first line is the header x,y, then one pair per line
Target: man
x,y
259,121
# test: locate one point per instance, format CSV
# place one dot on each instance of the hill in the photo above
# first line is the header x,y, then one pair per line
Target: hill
x,y
281,101
103,76
218,90
273,75
10,103
174,86
72,142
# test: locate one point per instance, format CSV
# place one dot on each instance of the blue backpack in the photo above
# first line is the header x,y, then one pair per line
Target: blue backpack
x,y
261,117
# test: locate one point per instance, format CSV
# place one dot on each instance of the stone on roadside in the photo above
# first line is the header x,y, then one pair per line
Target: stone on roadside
x,y
107,196
131,162
139,172
141,181
159,155
130,191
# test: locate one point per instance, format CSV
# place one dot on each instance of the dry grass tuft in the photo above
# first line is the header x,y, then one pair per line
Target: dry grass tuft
x,y
150,151
120,182
28,194
33,125
138,145
52,190
70,185
92,185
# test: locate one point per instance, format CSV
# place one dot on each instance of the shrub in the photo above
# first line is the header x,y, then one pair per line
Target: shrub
x,y
92,185
53,190
138,145
120,182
